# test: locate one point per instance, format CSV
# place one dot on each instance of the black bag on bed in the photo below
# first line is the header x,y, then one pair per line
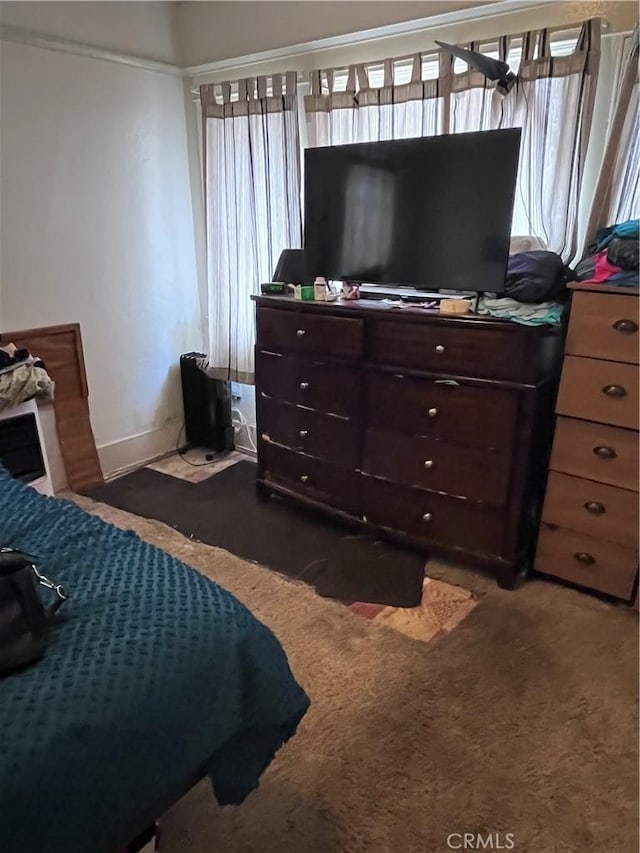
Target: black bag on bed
x,y
24,620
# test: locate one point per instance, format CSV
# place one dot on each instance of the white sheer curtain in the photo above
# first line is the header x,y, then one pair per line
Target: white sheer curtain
x,y
552,102
348,106
617,196
252,198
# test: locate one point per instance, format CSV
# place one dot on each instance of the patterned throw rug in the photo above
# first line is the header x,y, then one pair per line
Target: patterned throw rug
x,y
443,607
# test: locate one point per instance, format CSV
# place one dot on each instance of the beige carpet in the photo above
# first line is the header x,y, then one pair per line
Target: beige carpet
x,y
523,720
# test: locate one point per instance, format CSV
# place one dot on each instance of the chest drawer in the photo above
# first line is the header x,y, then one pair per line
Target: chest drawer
x,y
604,325
596,452
306,431
434,517
317,480
461,414
427,463
321,385
598,390
304,333
468,350
594,509
590,562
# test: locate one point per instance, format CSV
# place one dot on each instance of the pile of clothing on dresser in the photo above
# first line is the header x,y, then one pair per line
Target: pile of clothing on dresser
x,y
613,256
535,290
23,377
536,281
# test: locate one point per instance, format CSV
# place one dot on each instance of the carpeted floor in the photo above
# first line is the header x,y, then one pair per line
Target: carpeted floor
x,y
523,720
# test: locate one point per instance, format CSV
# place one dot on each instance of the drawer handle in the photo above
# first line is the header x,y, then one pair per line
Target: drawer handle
x,y
605,452
427,516
303,433
614,391
428,463
432,412
595,507
584,558
304,385
440,349
304,478
301,333
626,326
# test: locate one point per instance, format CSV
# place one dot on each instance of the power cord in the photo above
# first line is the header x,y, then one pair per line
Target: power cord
x,y
242,422
210,457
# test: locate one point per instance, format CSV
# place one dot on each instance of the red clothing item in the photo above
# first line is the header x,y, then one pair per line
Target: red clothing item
x,y
604,269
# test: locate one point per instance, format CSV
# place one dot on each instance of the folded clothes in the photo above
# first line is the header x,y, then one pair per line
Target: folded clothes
x,y
624,253
529,314
603,269
626,278
585,270
629,230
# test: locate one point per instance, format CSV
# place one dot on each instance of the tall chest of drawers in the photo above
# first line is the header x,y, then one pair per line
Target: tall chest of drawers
x,y
429,429
589,531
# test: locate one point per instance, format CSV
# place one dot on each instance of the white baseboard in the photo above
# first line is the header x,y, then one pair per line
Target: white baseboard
x,y
116,457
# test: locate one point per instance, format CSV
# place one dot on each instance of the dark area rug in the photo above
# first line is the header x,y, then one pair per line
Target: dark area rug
x,y
224,511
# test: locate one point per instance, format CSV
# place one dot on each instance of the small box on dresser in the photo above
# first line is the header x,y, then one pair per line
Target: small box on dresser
x,y
589,531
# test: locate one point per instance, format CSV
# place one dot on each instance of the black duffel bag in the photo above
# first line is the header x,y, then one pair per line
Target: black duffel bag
x,y
537,276
24,620
623,253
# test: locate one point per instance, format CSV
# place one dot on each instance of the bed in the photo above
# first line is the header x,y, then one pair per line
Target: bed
x,y
154,678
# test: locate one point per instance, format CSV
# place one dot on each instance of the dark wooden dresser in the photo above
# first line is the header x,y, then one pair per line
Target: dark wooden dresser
x,y
432,429
589,533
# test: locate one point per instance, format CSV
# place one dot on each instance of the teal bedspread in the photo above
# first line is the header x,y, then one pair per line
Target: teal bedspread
x,y
154,677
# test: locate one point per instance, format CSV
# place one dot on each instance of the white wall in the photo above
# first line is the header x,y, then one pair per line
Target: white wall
x,y
139,28
97,227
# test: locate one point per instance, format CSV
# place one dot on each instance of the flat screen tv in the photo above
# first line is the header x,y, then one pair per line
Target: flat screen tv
x,y
432,213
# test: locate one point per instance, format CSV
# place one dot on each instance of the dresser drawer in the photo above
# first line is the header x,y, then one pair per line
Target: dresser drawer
x,y
594,509
307,431
314,479
604,325
468,350
427,463
461,414
597,390
437,518
587,561
596,452
321,385
300,332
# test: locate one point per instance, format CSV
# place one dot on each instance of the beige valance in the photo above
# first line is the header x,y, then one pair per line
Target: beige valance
x,y
249,96
537,62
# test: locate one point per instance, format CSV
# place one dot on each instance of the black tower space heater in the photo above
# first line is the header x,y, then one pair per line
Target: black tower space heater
x,y
207,405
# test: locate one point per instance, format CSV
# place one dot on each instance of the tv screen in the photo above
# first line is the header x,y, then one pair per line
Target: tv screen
x,y
432,213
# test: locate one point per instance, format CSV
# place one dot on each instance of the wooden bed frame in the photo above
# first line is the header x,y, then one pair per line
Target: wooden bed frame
x,y
60,347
